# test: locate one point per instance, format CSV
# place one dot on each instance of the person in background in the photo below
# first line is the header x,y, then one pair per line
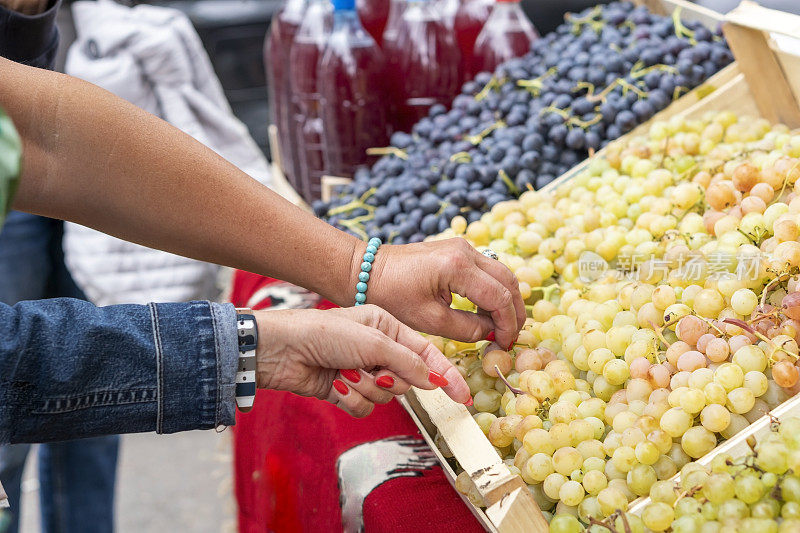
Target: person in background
x,y
76,477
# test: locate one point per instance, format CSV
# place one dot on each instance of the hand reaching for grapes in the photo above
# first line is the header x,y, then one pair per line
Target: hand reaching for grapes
x,y
302,351
415,281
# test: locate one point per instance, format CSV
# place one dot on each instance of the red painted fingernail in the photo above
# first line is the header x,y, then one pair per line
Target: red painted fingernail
x,y
490,336
351,375
341,387
385,381
468,403
437,379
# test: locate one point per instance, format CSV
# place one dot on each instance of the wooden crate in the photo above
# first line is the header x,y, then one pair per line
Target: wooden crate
x,y
740,88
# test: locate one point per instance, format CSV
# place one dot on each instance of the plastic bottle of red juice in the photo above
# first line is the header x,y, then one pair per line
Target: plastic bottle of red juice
x,y
507,34
352,84
373,15
424,64
469,21
276,63
304,57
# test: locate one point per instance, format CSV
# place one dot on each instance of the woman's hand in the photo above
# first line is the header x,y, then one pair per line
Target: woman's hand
x,y
302,351
414,282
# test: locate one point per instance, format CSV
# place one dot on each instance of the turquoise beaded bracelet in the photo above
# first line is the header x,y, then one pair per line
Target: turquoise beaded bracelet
x,y
363,276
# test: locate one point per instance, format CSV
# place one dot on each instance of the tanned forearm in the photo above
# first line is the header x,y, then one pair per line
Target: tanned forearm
x,y
92,158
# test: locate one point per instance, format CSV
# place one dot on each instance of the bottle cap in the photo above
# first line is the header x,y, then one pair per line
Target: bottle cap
x,y
344,5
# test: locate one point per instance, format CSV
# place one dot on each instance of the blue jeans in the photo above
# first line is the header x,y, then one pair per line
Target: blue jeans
x,y
76,483
76,477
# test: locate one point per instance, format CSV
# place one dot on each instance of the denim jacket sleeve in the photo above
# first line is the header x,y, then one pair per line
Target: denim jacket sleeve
x,y
69,369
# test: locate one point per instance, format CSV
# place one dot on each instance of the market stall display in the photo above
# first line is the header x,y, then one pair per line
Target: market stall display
x,y
603,72
661,276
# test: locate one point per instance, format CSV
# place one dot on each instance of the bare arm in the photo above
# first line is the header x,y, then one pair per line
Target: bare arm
x,y
94,159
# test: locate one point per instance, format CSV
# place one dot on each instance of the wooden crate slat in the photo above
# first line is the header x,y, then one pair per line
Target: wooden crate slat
x,y
735,95
750,44
421,419
791,65
774,97
752,15
329,184
689,11
514,511
478,458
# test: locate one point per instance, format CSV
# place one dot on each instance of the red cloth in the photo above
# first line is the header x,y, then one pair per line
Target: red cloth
x,y
299,461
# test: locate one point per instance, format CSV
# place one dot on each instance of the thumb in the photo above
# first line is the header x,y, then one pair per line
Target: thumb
x,y
464,326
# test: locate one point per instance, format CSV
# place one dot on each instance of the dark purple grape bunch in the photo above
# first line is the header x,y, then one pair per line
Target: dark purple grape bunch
x,y
600,74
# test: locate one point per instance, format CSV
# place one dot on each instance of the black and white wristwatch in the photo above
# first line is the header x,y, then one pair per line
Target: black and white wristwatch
x,y
247,334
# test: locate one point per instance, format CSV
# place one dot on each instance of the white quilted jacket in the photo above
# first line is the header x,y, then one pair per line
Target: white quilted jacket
x,y
152,57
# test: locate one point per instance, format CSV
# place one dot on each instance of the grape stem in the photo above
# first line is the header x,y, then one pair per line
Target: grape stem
x,y
775,348
644,71
512,188
785,183
626,86
711,324
769,285
676,92
494,82
476,139
388,150
625,522
534,85
504,380
659,331
681,30
601,96
356,227
461,157
583,124
547,291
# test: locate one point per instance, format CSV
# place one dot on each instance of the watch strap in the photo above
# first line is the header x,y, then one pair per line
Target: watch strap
x,y
247,337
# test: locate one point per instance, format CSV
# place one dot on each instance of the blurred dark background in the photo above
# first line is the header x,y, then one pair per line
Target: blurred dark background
x,y
233,33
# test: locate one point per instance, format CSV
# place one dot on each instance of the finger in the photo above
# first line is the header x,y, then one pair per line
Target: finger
x,y
401,335
488,293
351,400
503,274
389,381
456,386
379,349
365,384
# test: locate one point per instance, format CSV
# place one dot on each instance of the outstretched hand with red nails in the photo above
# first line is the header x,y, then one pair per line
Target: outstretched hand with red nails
x,y
302,351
